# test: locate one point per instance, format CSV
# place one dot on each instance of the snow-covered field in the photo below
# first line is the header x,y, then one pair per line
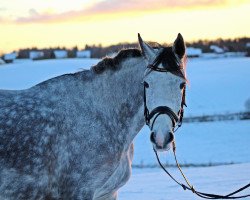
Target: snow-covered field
x,y
201,143
25,73
217,86
153,184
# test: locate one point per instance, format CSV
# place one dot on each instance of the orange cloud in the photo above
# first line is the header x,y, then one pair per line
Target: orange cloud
x,y
114,6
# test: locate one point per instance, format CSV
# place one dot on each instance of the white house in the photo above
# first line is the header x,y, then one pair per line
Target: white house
x,y
9,57
60,54
1,61
217,49
36,55
193,52
83,54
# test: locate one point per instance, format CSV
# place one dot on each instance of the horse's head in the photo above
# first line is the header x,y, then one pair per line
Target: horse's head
x,y
164,90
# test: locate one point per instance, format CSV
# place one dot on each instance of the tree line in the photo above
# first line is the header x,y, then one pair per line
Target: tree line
x,y
98,51
229,45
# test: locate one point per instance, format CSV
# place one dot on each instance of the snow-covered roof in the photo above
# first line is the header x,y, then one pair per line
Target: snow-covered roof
x,y
191,51
36,54
61,53
10,56
216,49
83,54
1,61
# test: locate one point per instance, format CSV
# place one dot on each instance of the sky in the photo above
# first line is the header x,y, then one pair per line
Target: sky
x,y
51,23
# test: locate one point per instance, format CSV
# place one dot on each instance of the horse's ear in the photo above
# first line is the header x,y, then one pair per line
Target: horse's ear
x,y
147,51
179,46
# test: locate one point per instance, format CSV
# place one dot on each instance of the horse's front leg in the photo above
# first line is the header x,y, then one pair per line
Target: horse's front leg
x,y
112,196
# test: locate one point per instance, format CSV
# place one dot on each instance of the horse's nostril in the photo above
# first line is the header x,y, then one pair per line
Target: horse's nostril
x,y
152,137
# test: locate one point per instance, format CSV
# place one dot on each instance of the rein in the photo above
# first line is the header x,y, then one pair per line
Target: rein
x,y
190,187
176,123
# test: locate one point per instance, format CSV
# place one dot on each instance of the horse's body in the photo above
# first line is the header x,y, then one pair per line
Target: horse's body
x,y
71,137
67,138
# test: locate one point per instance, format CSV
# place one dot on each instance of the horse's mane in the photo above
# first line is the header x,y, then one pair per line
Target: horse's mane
x,y
113,63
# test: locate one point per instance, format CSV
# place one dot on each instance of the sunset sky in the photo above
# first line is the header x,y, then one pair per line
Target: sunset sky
x,y
50,23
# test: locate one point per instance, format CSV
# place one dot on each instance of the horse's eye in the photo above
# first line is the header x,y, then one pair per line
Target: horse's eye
x,y
182,85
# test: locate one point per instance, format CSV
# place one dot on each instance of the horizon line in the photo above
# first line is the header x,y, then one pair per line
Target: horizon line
x,y
2,52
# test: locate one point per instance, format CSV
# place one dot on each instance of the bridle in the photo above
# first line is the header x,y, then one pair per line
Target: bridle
x,y
162,110
176,123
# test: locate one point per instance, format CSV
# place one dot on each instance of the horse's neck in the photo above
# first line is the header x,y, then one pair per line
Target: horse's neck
x,y
121,97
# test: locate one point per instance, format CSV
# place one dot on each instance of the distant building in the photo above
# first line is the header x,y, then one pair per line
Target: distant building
x,y
60,54
1,61
248,49
193,52
217,49
83,54
34,55
9,57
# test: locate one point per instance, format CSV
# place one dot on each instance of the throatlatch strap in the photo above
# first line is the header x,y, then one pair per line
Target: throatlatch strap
x,y
146,111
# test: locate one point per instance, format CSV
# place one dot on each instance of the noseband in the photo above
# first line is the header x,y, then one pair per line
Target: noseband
x,y
177,122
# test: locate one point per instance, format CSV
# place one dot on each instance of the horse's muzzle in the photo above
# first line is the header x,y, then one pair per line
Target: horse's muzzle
x,y
162,144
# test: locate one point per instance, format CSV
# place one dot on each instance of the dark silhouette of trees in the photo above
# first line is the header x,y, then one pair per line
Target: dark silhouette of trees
x,y
98,51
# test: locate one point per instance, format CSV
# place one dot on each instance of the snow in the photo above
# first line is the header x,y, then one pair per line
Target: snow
x,y
36,54
60,54
83,54
209,92
217,86
148,184
10,56
200,143
216,49
1,61
23,74
193,52
224,55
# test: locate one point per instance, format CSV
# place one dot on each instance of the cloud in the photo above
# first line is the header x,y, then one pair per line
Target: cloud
x,y
3,9
36,17
4,20
118,6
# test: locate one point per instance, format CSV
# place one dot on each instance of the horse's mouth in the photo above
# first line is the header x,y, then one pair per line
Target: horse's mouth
x,y
160,148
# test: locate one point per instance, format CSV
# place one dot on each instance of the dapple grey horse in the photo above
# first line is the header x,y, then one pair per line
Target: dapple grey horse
x,y
71,137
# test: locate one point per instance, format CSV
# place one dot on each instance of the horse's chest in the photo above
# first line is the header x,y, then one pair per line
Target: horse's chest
x,y
120,176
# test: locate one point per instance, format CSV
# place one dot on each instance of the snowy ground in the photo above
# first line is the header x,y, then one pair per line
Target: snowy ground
x,y
216,86
200,143
25,73
153,184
